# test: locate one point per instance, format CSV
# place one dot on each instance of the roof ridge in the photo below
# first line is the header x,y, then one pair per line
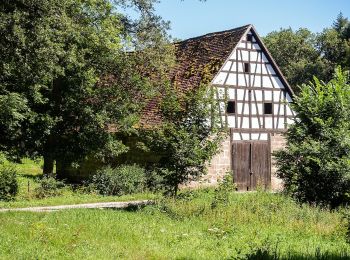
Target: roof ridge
x,y
214,33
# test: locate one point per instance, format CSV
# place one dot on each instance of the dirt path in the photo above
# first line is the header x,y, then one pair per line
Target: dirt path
x,y
98,205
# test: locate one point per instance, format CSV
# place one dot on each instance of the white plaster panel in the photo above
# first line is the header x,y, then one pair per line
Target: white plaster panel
x,y
268,122
245,136
255,136
270,70
239,122
252,67
233,55
268,95
281,123
231,93
256,46
266,82
289,111
255,68
255,56
264,59
231,79
240,94
255,123
260,109
277,82
253,80
263,136
278,109
245,123
276,96
288,98
253,108
233,67
289,121
258,95
243,55
220,78
239,108
245,109
241,80
236,136
241,45
231,121
257,81
240,67
227,65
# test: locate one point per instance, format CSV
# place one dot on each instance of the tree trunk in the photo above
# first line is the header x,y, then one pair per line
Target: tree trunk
x,y
51,141
48,157
48,165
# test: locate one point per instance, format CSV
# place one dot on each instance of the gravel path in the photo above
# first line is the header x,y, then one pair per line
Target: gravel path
x,y
98,205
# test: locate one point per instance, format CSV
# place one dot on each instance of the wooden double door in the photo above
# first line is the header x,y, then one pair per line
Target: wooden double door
x,y
251,164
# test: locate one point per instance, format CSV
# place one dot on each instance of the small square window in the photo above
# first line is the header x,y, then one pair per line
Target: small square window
x,y
267,108
231,107
246,67
249,38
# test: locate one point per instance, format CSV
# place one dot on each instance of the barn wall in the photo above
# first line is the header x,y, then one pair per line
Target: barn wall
x,y
278,141
250,91
220,164
217,168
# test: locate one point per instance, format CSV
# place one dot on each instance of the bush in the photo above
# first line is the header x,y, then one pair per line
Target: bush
x,y
347,218
315,165
154,180
126,179
223,191
8,183
49,187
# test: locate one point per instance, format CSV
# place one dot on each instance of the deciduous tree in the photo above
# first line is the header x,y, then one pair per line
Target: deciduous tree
x,y
188,136
315,165
69,72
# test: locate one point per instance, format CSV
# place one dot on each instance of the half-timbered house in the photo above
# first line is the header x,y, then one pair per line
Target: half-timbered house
x,y
254,101
253,97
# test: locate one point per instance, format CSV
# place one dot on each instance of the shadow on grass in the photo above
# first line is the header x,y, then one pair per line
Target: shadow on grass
x,y
130,208
31,177
263,254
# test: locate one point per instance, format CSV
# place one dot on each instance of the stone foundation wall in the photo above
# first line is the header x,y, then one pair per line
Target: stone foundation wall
x,y
217,168
277,142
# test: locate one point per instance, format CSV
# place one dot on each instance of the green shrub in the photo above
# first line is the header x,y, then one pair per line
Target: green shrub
x,y
154,181
347,218
315,163
49,187
125,179
8,183
223,191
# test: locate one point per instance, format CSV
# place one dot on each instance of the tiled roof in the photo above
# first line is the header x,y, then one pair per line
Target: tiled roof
x,y
197,61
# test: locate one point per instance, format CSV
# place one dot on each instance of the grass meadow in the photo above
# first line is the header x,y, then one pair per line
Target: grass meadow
x,y
200,224
29,174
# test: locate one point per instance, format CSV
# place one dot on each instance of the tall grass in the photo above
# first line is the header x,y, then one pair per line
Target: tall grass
x,y
197,225
29,175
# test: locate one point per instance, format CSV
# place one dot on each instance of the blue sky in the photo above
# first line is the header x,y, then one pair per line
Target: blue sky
x,y
191,18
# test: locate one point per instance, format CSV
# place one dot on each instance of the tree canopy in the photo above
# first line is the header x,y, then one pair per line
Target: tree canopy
x,y
302,54
69,69
188,137
315,163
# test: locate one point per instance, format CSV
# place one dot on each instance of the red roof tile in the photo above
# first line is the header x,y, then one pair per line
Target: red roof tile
x,y
197,61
